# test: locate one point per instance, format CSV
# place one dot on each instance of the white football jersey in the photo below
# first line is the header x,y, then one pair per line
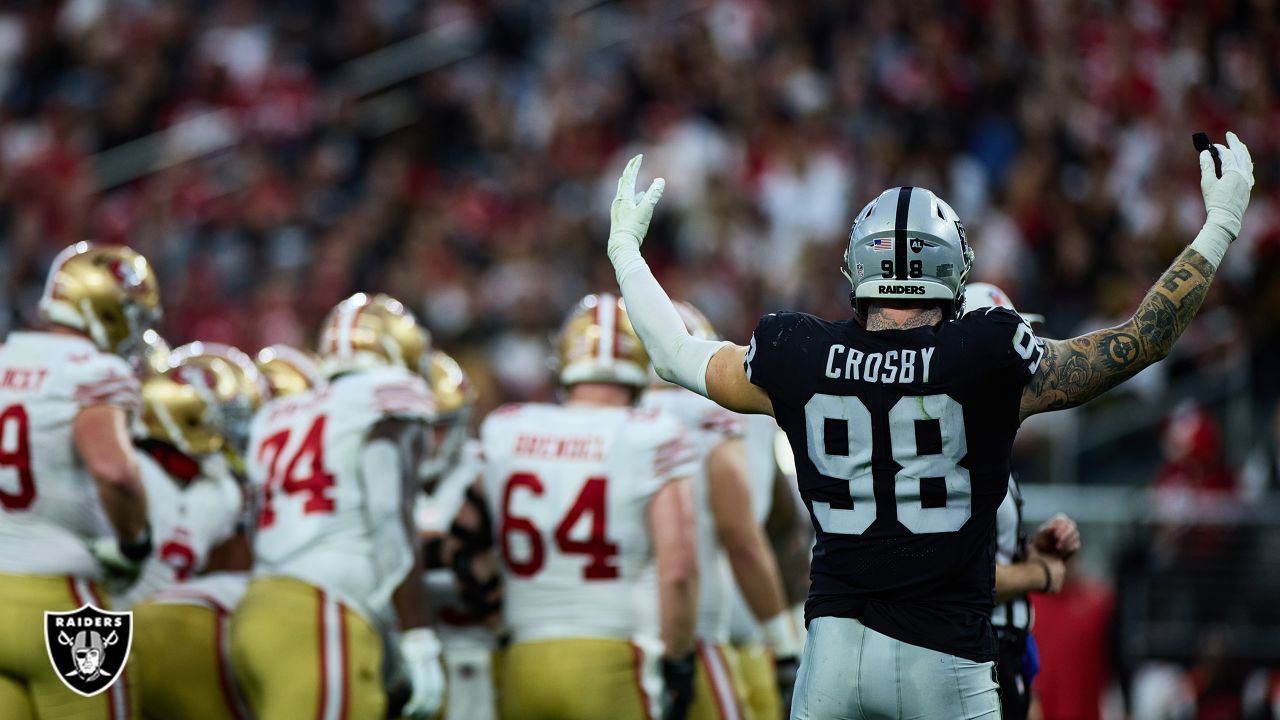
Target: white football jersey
x,y
188,520
759,432
304,454
49,505
435,513
569,488
707,425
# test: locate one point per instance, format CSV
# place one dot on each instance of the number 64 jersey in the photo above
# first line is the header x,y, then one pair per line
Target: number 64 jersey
x,y
570,488
902,442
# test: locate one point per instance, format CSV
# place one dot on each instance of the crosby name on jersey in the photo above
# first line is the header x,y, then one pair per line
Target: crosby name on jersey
x,y
902,441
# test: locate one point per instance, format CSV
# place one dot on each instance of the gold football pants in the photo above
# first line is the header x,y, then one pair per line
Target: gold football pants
x,y
300,653
718,685
29,686
759,683
572,679
182,660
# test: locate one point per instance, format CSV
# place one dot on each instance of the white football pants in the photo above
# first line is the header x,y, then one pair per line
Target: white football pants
x,y
849,672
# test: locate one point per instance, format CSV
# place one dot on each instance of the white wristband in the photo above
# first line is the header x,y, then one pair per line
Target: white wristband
x,y
1212,241
781,636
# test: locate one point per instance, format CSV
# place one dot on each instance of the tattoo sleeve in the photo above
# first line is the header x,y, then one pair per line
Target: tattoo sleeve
x,y
1078,370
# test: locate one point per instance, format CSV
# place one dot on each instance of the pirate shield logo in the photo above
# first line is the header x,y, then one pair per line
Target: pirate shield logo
x,y
88,647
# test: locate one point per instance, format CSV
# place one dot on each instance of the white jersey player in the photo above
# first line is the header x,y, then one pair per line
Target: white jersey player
x,y
732,550
65,395
195,504
334,471
197,516
587,496
454,526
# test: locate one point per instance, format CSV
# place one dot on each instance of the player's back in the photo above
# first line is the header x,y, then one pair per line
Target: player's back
x,y
570,488
707,425
902,441
49,504
312,505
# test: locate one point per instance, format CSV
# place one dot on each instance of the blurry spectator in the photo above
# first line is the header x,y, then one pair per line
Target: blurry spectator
x,y
1261,473
1072,630
1194,478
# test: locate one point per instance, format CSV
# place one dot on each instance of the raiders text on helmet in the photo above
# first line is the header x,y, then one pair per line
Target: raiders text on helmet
x,y
368,331
109,293
598,344
908,243
288,370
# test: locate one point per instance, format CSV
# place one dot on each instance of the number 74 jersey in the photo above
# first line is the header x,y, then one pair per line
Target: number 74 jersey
x,y
902,442
313,506
570,487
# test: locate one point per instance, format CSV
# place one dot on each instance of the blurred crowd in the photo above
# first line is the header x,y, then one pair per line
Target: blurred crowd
x,y
477,192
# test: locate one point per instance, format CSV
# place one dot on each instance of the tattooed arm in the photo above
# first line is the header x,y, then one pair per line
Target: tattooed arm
x,y
1078,370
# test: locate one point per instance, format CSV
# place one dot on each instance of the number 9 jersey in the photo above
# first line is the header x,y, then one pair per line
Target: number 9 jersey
x,y
49,504
902,442
312,502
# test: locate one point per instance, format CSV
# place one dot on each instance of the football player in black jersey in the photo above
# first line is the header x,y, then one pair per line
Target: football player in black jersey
x,y
901,419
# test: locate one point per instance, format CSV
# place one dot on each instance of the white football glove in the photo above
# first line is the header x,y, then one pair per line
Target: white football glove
x,y
420,649
1225,198
630,214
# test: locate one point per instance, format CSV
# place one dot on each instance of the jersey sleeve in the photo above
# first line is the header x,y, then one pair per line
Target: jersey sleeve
x,y
1006,342
105,380
766,360
669,453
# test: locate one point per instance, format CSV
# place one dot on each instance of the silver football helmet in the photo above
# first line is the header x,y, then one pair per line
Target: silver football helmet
x,y
908,244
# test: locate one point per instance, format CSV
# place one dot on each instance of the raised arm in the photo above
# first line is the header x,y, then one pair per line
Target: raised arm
x,y
711,369
1080,369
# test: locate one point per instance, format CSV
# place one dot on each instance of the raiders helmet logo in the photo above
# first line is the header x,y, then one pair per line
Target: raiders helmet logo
x,y
916,245
88,647
901,290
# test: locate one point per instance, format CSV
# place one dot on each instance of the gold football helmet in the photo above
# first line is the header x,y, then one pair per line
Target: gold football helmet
x,y
183,414
368,331
108,292
695,322
698,326
288,371
598,344
235,383
455,397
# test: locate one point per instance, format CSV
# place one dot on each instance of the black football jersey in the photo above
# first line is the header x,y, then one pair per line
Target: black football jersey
x,y
902,442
